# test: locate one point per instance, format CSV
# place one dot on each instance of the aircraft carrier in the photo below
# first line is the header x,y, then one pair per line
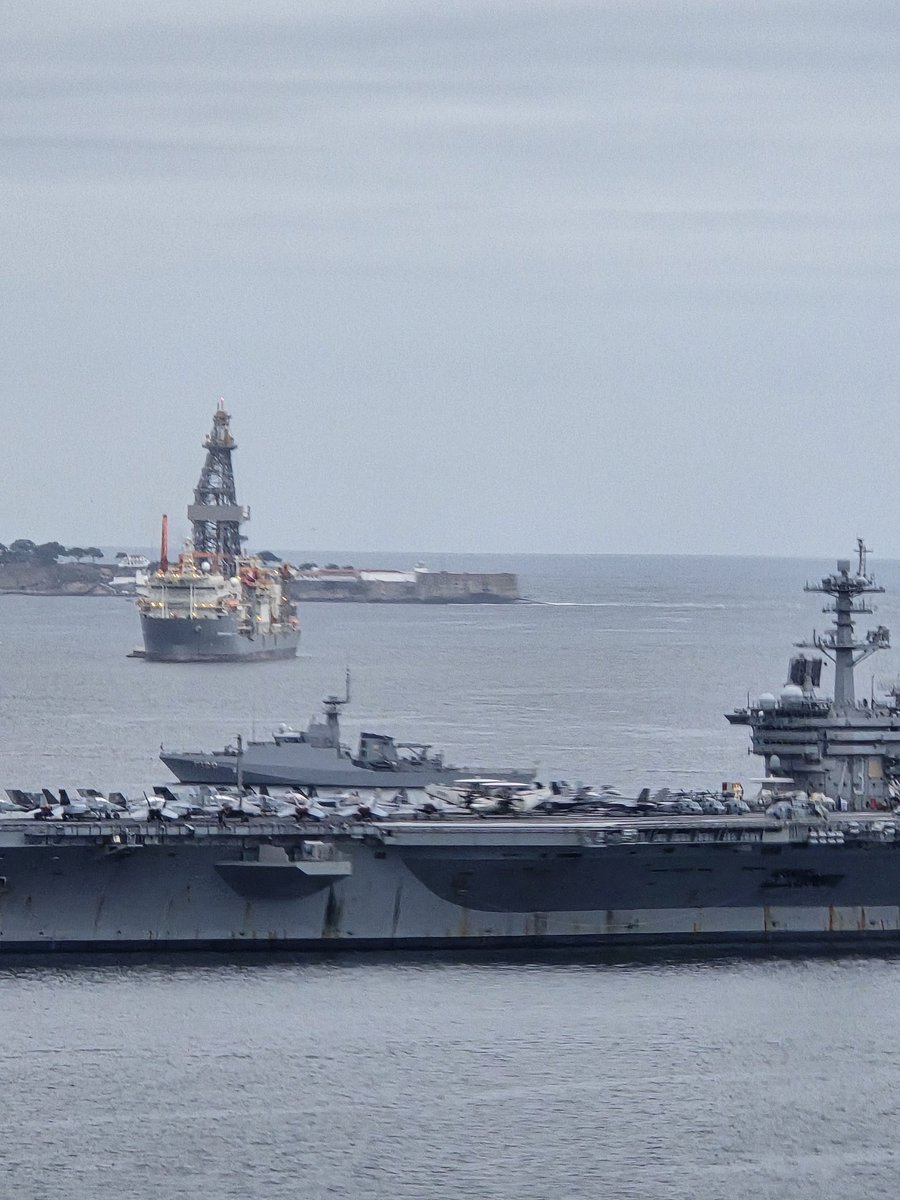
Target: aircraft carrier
x,y
82,885
817,864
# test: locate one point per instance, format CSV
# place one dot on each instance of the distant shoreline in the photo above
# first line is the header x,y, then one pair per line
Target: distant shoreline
x,y
55,579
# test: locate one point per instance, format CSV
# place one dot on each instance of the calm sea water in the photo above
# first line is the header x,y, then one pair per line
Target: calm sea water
x,y
422,1077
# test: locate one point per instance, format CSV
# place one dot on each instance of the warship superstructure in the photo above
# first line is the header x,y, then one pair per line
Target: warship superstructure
x,y
837,746
215,603
817,863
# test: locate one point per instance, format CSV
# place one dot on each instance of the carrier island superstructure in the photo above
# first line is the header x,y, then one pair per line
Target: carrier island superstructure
x,y
819,865
837,746
215,603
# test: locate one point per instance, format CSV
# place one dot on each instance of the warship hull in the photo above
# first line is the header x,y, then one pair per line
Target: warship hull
x,y
456,885
305,767
212,639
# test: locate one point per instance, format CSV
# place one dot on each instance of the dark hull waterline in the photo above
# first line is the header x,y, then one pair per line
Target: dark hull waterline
x,y
174,639
438,885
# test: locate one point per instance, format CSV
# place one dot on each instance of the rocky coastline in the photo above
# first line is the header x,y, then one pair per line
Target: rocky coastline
x,y
55,579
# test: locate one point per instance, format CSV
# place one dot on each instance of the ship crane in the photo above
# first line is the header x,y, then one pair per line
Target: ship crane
x,y
840,644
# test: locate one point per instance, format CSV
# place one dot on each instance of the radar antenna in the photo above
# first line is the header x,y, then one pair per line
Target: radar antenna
x,y
333,704
862,550
839,643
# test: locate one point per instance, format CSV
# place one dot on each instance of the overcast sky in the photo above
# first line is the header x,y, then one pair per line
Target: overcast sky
x,y
519,276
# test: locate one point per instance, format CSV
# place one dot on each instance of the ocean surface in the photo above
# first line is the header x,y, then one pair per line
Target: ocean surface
x,y
517,1076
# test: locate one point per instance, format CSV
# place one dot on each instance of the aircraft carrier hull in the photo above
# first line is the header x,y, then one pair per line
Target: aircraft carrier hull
x,y
218,639
438,885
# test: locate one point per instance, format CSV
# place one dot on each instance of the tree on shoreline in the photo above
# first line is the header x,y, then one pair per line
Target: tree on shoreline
x,y
24,550
45,553
49,552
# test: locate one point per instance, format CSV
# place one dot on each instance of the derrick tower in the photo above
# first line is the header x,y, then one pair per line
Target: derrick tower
x,y
215,515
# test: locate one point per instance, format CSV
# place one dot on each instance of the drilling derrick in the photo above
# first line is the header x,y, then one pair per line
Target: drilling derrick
x,y
215,515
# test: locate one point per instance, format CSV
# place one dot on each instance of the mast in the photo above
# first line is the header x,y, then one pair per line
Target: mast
x,y
332,706
839,644
215,515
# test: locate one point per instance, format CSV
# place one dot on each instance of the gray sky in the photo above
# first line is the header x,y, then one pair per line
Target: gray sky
x,y
521,276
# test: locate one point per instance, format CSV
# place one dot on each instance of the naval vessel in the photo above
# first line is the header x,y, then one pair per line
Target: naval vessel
x,y
316,757
818,864
215,603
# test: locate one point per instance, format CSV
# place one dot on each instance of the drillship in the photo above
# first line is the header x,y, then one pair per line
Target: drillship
x,y
818,866
316,757
216,604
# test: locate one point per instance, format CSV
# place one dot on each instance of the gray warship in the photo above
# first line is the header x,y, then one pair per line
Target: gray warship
x,y
215,603
816,865
316,757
